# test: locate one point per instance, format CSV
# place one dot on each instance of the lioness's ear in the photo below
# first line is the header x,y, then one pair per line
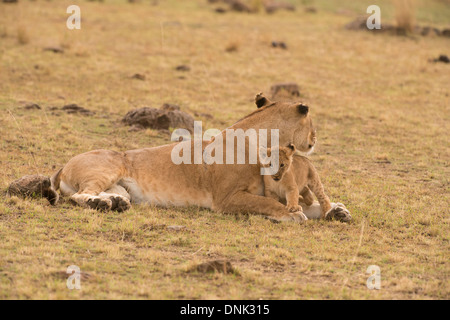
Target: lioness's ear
x,y
303,109
261,101
291,146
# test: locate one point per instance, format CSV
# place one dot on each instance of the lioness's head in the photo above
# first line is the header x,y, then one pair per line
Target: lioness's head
x,y
293,121
285,155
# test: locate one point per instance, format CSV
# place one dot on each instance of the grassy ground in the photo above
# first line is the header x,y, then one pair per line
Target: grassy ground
x,y
380,107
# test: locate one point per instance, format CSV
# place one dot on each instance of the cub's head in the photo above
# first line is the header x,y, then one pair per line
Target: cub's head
x,y
285,155
292,119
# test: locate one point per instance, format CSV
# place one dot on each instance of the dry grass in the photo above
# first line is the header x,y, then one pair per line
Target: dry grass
x,y
405,14
380,108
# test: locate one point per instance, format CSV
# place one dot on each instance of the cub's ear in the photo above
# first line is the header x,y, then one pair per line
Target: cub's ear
x,y
291,146
261,100
303,109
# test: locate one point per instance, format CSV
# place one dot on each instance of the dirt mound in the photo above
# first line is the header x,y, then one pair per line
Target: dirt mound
x,y
285,90
442,58
214,266
360,23
36,186
167,116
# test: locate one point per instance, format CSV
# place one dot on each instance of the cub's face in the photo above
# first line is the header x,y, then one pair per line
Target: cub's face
x,y
285,155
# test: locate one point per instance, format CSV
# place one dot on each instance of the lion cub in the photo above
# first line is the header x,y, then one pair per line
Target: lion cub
x,y
296,173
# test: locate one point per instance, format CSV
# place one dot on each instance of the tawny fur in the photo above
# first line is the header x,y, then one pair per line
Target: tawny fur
x,y
296,173
107,180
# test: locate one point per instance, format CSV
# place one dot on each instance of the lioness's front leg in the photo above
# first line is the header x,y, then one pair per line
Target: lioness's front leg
x,y
243,201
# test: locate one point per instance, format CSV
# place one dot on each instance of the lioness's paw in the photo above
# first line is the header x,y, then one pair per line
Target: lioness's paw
x,y
339,212
99,204
120,203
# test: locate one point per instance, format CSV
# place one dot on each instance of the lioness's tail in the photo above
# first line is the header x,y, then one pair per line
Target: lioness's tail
x,y
56,179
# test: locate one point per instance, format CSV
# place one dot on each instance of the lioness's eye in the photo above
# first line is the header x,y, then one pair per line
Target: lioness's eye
x,y
281,165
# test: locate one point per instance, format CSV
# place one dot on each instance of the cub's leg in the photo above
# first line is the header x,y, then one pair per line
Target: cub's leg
x,y
291,191
307,196
119,197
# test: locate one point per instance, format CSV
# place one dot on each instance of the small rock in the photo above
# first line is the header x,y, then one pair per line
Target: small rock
x,y
221,266
279,44
239,6
445,33
183,67
54,49
311,9
73,108
33,186
138,76
32,106
220,10
285,90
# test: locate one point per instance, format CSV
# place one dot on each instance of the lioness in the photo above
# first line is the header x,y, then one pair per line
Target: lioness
x,y
296,173
108,180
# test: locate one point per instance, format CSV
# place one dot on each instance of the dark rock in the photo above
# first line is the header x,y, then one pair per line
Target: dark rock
x,y
32,106
220,10
37,186
239,6
221,266
445,33
54,49
279,44
442,58
161,119
183,67
138,76
73,108
10,1
285,90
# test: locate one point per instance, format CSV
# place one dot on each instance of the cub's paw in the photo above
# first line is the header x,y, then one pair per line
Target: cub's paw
x,y
294,208
99,204
339,212
119,203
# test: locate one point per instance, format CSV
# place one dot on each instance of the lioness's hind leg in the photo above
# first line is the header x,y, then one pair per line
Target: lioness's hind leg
x,y
119,197
91,201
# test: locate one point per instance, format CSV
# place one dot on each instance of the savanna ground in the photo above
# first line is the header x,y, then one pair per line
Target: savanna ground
x,y
381,109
